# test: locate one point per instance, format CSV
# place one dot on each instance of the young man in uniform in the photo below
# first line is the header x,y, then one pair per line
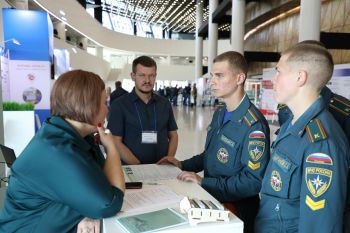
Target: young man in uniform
x,y
237,146
304,186
339,107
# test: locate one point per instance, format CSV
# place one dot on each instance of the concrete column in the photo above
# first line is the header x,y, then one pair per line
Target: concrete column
x,y
237,25
82,43
309,21
61,30
199,40
212,34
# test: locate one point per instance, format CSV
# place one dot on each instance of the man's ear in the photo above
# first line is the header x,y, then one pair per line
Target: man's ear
x,y
132,75
241,78
302,78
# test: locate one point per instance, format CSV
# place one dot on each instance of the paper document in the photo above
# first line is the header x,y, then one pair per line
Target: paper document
x,y
152,221
158,195
150,172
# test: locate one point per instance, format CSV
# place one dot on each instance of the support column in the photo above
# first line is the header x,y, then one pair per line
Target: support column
x,y
212,34
237,25
61,30
199,40
309,21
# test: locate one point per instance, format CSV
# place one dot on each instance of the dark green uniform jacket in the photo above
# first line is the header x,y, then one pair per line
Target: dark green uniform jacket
x,y
235,158
304,187
57,181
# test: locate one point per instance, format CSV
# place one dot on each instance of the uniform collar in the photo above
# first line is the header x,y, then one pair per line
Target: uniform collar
x,y
326,94
241,110
56,124
135,97
299,126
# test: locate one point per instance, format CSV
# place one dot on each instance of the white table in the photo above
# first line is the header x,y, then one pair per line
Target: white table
x,y
235,225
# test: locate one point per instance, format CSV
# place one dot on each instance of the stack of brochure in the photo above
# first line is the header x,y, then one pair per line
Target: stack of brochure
x,y
152,221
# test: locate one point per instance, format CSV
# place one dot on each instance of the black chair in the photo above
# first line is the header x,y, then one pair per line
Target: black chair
x,y
8,154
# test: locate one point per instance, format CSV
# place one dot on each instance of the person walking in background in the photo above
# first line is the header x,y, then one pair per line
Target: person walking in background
x,y
237,146
142,122
119,91
305,181
187,95
61,181
194,94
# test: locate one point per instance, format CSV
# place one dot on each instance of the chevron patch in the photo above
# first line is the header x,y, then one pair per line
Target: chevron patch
x,y
314,205
253,166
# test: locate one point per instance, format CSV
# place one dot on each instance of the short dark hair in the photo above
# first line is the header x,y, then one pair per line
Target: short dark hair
x,y
144,61
118,84
235,60
77,95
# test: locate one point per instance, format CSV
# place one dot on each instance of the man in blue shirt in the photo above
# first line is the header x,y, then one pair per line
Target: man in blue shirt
x,y
142,122
304,186
237,146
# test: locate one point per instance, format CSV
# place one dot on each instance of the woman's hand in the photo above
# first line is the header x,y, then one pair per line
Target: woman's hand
x,y
88,225
106,138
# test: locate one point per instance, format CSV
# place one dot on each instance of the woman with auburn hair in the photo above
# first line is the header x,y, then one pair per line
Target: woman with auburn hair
x,y
61,182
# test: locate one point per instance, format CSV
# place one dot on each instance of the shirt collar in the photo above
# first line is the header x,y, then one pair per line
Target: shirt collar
x,y
241,110
326,94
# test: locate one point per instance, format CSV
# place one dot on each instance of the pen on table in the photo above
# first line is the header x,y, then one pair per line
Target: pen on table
x,y
152,183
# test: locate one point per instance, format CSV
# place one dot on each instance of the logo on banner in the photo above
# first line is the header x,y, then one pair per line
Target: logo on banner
x,y
31,77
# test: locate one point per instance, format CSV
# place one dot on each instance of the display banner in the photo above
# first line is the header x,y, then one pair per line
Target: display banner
x,y
268,105
29,62
340,82
4,68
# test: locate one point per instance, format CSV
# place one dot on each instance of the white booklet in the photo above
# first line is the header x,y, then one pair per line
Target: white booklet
x,y
152,221
150,172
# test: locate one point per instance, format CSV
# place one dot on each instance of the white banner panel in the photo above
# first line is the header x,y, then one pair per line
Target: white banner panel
x,y
30,82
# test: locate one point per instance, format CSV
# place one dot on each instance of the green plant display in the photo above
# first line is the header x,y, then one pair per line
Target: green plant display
x,y
14,106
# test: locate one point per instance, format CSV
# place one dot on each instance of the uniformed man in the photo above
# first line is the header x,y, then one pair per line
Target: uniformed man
x,y
237,145
304,186
339,107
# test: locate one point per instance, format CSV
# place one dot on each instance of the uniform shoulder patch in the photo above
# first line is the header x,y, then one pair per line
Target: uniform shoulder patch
x,y
316,131
250,118
341,105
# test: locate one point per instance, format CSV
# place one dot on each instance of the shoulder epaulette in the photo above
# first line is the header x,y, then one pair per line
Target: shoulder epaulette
x,y
340,105
316,131
250,118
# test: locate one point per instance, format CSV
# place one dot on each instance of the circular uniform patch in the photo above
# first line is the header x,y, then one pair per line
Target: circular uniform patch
x,y
276,181
222,155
